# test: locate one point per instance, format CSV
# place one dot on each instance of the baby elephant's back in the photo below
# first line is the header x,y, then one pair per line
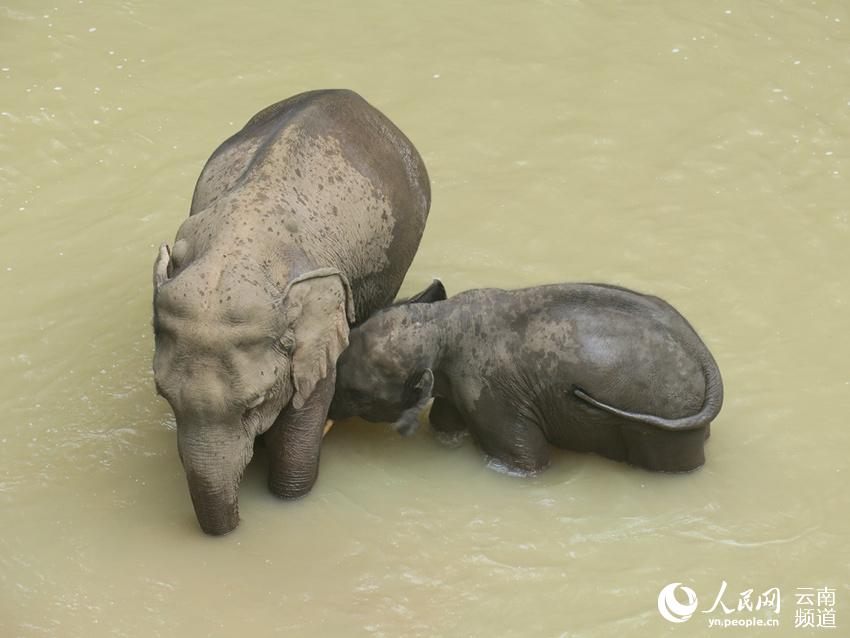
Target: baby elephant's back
x,y
633,351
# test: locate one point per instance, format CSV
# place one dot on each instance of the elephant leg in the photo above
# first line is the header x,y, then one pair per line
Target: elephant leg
x,y
294,442
445,418
519,447
513,439
664,450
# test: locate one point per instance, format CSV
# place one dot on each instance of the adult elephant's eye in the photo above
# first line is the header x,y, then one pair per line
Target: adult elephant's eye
x,y
255,402
286,343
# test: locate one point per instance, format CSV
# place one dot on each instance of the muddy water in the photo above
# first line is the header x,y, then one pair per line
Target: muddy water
x,y
698,151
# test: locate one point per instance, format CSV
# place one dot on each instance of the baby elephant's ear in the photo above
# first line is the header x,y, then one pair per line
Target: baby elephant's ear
x,y
435,292
420,388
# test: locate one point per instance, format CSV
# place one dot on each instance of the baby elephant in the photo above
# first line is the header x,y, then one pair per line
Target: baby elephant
x,y
588,367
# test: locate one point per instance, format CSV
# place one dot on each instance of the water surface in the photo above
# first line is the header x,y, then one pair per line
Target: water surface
x,y
697,151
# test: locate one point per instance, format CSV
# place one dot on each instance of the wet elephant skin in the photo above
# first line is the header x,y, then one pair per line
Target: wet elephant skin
x,y
587,367
301,224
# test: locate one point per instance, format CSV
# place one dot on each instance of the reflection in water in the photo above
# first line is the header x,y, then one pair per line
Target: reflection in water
x,y
696,152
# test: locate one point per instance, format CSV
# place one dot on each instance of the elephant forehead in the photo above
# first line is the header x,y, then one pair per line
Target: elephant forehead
x,y
203,334
244,360
231,296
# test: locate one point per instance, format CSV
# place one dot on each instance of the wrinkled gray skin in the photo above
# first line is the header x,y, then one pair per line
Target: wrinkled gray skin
x,y
582,366
303,221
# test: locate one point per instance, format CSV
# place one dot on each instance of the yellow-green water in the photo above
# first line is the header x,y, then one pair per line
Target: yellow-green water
x,y
694,150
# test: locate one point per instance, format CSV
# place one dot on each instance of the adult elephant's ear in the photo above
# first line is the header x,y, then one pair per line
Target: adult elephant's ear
x,y
319,308
418,390
161,267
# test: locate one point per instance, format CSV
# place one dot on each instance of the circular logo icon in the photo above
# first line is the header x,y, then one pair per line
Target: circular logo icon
x,y
669,606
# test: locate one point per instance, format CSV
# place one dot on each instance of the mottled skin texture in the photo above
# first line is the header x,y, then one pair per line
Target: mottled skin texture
x,y
587,367
305,220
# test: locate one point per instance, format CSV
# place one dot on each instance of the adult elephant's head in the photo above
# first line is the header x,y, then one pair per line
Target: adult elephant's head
x,y
235,347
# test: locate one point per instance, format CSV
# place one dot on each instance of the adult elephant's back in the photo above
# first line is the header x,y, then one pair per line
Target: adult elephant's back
x,y
352,188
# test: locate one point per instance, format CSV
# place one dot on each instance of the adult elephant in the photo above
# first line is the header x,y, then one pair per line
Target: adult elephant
x,y
305,220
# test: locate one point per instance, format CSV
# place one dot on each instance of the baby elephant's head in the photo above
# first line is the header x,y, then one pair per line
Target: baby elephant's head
x,y
384,375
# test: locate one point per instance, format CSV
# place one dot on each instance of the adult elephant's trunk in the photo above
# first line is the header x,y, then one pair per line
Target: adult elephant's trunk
x,y
214,467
